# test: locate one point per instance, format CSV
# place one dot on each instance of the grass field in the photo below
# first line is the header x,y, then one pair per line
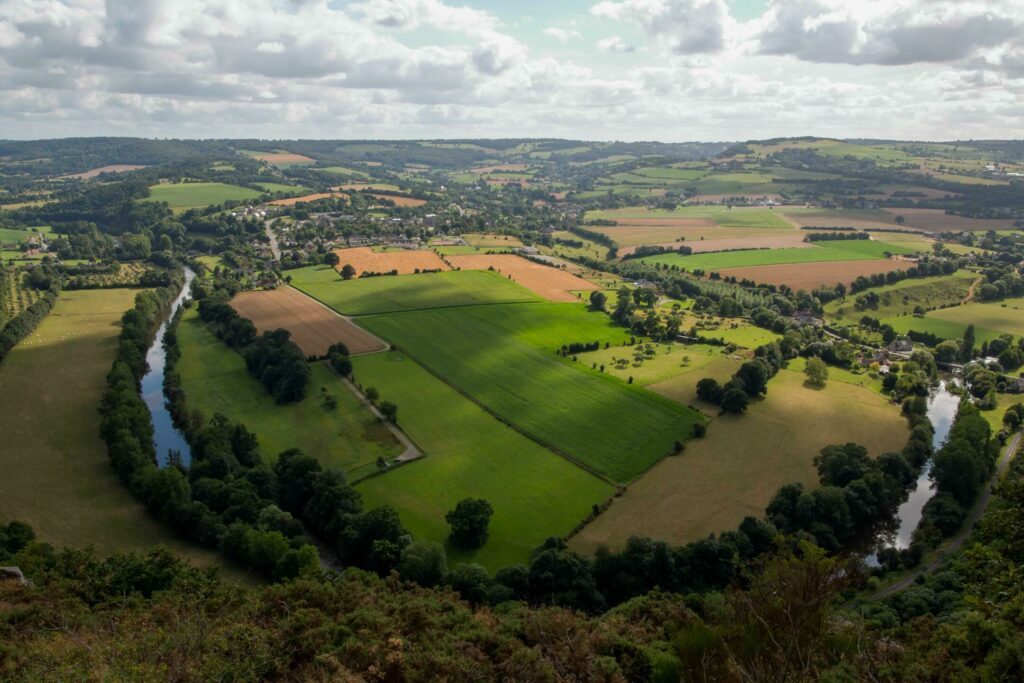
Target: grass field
x,y
56,475
989,320
837,250
535,493
905,295
184,196
670,360
215,380
13,236
281,187
814,274
739,217
736,469
504,357
407,292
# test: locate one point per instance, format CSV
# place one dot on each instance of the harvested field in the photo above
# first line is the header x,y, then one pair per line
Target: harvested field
x,y
762,240
112,168
365,259
550,283
928,220
810,275
292,201
287,158
401,201
937,220
488,240
313,326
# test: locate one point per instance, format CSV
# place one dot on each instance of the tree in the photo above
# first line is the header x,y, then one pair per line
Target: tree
x,y
424,563
372,394
389,410
468,522
900,220
597,301
332,259
754,375
348,272
967,347
816,372
735,401
708,389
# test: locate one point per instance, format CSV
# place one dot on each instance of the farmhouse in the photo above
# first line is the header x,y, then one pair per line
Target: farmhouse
x,y
1015,386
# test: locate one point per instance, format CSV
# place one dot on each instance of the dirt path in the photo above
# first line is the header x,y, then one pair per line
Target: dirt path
x,y
411,451
957,541
970,291
274,249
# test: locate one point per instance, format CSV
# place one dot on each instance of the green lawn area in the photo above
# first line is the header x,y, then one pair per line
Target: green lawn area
x,y
535,493
736,217
389,294
905,295
343,171
184,196
838,250
12,235
281,187
504,357
56,474
989,320
944,329
215,380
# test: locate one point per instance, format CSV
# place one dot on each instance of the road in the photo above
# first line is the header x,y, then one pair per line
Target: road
x,y
274,249
955,543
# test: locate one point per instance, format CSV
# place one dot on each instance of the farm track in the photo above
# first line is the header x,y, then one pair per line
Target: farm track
x,y
970,291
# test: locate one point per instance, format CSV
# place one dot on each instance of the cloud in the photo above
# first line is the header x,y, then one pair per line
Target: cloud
x,y
615,44
561,35
684,27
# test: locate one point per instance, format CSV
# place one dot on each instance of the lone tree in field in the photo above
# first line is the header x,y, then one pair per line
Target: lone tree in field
x,y
348,272
331,259
469,521
597,301
389,410
816,372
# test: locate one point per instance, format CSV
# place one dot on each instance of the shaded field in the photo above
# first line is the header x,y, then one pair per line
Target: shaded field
x,y
810,275
504,357
406,262
215,381
292,201
551,283
902,297
738,217
535,493
56,474
838,250
184,196
313,326
737,468
407,292
670,360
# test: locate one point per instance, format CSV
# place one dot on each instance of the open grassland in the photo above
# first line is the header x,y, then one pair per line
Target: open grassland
x,y
504,357
837,250
989,320
668,361
682,388
738,217
535,493
736,469
407,292
343,171
215,381
705,240
55,471
111,168
281,187
313,326
810,275
551,283
478,239
904,296
184,196
19,236
943,329
365,259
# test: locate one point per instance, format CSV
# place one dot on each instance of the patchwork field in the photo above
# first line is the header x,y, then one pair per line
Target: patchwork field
x,y
56,474
551,283
365,259
314,327
185,196
504,357
535,493
810,275
736,469
408,292
837,250
215,381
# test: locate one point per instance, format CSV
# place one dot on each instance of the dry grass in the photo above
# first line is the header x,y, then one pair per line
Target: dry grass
x,y
292,201
810,275
551,283
283,158
762,240
112,168
365,259
401,201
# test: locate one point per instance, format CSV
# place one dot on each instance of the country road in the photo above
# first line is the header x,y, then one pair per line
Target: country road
x,y
274,249
955,543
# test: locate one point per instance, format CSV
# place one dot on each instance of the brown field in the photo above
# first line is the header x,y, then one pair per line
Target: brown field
x,y
478,239
936,220
636,232
314,327
362,186
405,262
292,201
498,168
810,275
550,283
283,158
112,168
401,201
761,240
928,220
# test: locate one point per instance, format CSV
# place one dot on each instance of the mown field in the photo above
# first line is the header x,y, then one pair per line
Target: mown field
x,y
184,196
904,296
837,250
504,357
736,469
389,294
215,381
989,320
740,217
469,453
55,472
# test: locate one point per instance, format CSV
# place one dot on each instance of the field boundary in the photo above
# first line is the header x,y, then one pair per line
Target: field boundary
x,y
386,346
427,308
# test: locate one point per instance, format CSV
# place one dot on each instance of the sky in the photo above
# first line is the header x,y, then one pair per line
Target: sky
x,y
669,70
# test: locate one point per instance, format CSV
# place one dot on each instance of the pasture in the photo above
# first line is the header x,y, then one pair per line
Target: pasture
x,y
56,474
390,294
989,319
282,158
184,196
926,220
836,250
667,361
810,275
281,187
111,168
366,260
551,283
399,200
736,469
535,493
313,326
504,357
215,381
906,295
723,216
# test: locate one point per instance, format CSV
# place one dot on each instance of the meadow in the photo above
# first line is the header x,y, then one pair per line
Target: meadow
x,y
904,296
837,250
407,292
536,494
739,217
215,381
989,320
504,357
185,196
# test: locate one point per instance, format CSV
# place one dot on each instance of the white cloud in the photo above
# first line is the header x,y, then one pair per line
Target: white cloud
x,y
562,35
615,44
273,47
683,26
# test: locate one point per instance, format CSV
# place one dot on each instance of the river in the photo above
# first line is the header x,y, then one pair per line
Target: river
x,y
166,437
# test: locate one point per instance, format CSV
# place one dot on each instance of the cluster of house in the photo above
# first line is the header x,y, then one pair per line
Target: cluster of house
x,y
250,212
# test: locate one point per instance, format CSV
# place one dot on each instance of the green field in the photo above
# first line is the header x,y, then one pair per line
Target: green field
x,y
215,380
184,196
837,250
389,294
737,217
13,236
989,320
943,329
504,357
535,493
669,360
56,475
281,187
342,171
904,296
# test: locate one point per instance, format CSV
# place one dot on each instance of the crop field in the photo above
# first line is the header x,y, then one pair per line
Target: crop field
x,y
751,239
365,296
365,259
551,283
904,296
535,493
400,201
499,168
927,220
282,158
737,217
736,469
478,239
185,196
305,199
56,474
837,250
215,381
810,275
314,327
504,357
